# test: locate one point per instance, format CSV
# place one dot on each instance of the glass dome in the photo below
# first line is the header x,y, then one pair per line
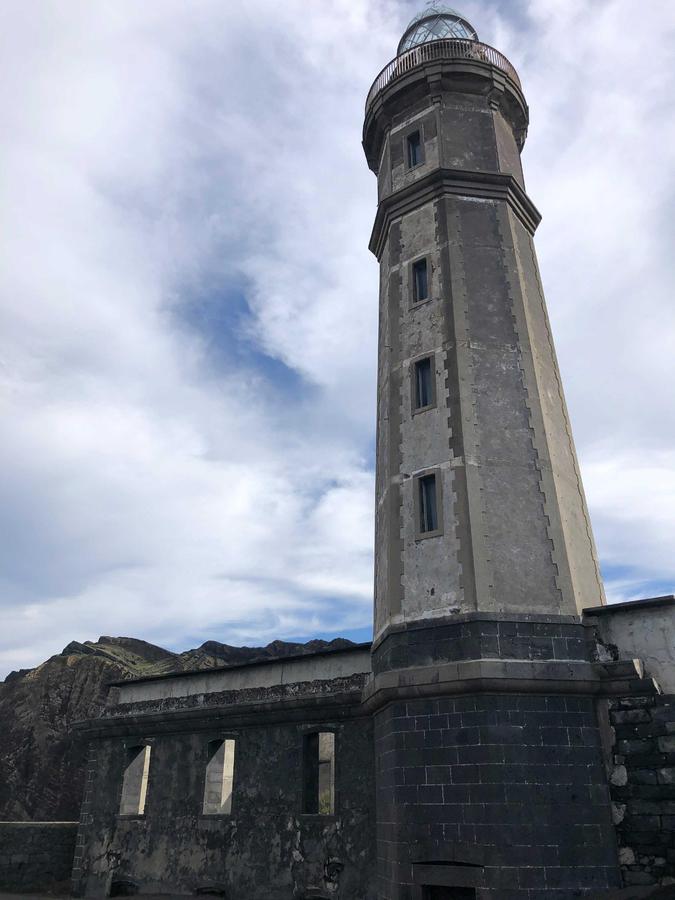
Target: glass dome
x,y
434,23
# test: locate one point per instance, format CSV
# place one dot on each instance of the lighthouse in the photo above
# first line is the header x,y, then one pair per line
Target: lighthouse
x,y
489,762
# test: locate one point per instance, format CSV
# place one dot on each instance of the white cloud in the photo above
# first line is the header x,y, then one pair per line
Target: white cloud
x,y
600,164
189,306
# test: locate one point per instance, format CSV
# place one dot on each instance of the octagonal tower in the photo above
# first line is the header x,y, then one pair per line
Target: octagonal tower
x,y
488,745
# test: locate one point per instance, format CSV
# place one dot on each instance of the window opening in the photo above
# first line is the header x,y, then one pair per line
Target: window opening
x,y
319,772
414,145
135,782
428,505
219,779
420,281
424,387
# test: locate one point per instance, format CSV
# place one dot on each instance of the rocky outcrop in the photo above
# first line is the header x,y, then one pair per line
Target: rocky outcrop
x,y
41,761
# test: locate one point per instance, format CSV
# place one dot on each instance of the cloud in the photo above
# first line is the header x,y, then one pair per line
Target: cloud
x,y
600,164
189,311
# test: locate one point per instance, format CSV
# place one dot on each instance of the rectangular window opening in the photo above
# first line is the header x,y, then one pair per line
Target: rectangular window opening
x,y
135,782
414,148
420,281
428,507
219,779
319,773
424,384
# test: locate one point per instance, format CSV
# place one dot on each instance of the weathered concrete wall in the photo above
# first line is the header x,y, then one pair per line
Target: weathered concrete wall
x,y
515,534
266,847
572,542
311,668
36,856
473,136
643,787
642,629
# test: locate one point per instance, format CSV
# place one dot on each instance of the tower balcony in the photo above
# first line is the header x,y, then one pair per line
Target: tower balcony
x,y
450,49
459,63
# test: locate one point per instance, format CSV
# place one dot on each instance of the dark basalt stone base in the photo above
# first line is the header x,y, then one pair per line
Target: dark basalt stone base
x,y
482,636
501,793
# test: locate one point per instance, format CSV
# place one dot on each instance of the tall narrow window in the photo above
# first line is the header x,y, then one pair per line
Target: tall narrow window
x,y
420,281
428,506
424,394
319,773
135,783
219,778
414,148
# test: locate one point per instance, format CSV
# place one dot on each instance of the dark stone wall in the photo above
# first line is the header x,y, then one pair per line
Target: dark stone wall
x,y
265,850
473,636
473,136
36,856
513,786
468,133
643,787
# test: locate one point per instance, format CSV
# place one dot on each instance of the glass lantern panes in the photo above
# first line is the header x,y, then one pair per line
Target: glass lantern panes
x,y
435,23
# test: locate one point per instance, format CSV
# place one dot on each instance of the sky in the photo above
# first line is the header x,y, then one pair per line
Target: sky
x,y
189,309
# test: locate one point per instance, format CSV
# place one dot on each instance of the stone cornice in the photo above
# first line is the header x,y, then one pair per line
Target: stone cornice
x,y
206,717
452,182
472,676
620,679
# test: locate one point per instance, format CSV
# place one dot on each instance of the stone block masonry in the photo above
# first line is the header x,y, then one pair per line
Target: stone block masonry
x,y
36,856
511,786
643,787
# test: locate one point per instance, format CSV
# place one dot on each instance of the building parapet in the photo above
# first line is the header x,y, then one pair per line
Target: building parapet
x,y
268,673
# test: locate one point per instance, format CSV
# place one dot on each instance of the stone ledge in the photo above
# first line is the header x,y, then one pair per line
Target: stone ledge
x,y
510,676
630,605
159,719
453,182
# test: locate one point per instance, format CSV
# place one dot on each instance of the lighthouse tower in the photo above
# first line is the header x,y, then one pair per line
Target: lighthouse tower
x,y
490,778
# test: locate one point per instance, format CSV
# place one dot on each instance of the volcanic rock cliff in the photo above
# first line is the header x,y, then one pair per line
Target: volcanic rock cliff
x,y
41,761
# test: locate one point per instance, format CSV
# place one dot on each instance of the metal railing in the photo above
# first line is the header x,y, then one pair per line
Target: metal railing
x,y
454,48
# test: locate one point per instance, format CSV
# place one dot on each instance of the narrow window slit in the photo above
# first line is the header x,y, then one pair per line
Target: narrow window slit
x,y
420,281
135,781
414,148
219,779
428,506
319,773
424,386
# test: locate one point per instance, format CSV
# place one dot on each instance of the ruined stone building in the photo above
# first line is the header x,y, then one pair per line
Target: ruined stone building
x,y
499,738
